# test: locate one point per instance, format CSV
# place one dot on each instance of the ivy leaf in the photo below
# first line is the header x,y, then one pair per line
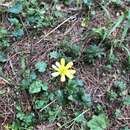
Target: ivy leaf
x,y
86,98
41,66
2,92
1,71
4,43
20,116
99,122
25,83
29,118
37,86
13,21
75,83
3,32
3,57
16,9
18,33
54,54
121,85
118,2
125,128
80,117
44,86
39,104
33,75
127,100
88,2
60,96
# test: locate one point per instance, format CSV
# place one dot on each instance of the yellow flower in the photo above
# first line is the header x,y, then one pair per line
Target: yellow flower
x,y
7,127
63,70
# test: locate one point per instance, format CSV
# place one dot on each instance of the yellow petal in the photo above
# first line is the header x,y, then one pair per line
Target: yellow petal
x,y
70,76
62,61
58,64
55,67
69,65
55,74
72,71
62,78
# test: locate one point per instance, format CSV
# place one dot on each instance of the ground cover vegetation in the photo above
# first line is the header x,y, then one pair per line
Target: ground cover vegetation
x,y
65,64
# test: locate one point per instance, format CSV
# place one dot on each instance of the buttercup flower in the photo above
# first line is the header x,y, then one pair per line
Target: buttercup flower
x,y
63,70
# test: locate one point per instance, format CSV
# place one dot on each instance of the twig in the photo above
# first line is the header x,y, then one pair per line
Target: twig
x,y
47,105
124,118
69,29
1,78
6,5
11,65
56,28
73,120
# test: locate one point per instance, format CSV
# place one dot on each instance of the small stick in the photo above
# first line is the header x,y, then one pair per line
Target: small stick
x,y
47,105
6,5
56,28
1,78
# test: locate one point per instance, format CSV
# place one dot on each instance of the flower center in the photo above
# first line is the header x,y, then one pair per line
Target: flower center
x,y
63,70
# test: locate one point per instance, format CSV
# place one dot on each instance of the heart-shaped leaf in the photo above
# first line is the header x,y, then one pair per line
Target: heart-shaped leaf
x,y
3,57
37,86
41,66
16,9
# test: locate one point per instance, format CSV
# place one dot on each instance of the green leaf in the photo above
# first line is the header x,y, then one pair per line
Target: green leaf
x,y
87,99
99,122
1,71
33,76
25,83
71,98
23,63
2,92
88,2
39,104
116,24
3,57
128,16
118,2
14,21
54,54
4,43
41,66
37,86
20,116
127,100
16,9
93,52
128,61
118,112
101,31
3,32
125,128
125,31
80,117
85,22
60,96
112,95
75,83
121,85
45,86
28,119
18,33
